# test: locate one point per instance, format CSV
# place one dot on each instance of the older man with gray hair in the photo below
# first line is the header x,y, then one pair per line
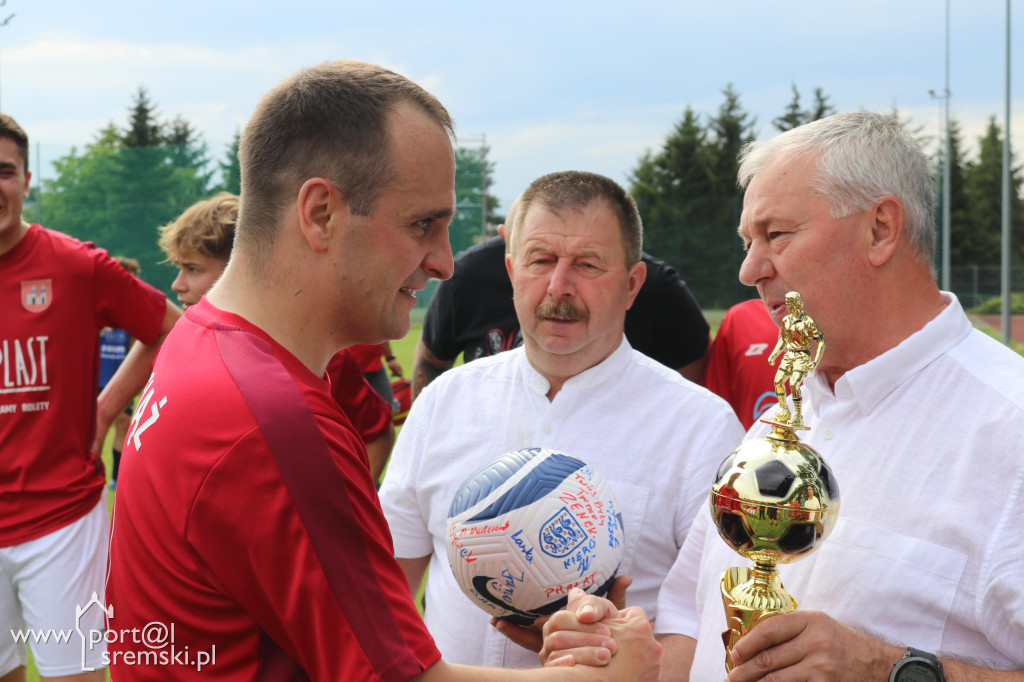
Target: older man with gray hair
x,y
918,414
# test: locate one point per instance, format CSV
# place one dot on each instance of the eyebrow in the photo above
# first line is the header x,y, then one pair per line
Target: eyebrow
x,y
439,214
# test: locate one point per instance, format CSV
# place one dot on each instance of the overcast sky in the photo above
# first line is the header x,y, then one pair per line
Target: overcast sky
x,y
553,85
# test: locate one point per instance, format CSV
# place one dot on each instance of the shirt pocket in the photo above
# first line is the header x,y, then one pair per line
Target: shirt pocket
x,y
872,578
632,505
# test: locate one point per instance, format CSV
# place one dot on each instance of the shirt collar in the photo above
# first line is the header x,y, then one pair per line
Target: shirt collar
x,y
610,367
871,382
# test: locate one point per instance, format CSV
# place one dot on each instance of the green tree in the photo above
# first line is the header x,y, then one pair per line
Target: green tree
x,y
189,157
794,116
689,202
981,240
79,200
821,107
959,218
126,184
475,206
144,128
729,131
230,170
672,190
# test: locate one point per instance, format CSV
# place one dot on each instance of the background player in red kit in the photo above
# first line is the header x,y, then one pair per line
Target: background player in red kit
x,y
248,519
56,293
738,368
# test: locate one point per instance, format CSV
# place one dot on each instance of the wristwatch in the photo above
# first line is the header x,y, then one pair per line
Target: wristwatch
x,y
917,666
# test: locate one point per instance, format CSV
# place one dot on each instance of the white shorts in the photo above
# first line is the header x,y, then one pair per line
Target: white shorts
x,y
43,584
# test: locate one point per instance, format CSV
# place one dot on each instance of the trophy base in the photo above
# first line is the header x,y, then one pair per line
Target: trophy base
x,y
750,596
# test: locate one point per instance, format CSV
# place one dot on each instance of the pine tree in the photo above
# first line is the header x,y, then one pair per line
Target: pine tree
x,y
959,218
821,107
689,202
144,128
189,156
794,116
984,182
230,170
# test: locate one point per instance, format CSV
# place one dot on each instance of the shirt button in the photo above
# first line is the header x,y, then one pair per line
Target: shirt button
x,y
547,429
828,434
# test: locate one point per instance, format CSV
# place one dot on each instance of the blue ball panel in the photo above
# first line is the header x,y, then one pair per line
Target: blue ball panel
x,y
487,478
534,486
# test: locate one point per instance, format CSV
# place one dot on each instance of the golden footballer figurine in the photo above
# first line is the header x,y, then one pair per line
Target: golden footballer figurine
x,y
774,499
796,335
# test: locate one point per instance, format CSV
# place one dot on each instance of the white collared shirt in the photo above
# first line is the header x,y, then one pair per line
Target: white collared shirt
x,y
927,444
654,436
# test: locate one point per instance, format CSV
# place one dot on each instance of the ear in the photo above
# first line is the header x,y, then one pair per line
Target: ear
x,y
508,268
501,230
319,208
634,280
28,182
886,228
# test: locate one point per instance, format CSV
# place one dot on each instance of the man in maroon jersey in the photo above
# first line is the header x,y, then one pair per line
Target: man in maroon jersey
x,y
57,293
248,538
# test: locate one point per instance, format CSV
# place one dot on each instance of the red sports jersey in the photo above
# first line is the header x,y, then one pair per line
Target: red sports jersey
x,y
368,412
246,523
57,294
738,368
368,356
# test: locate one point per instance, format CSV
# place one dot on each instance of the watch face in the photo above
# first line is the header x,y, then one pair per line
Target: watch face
x,y
917,671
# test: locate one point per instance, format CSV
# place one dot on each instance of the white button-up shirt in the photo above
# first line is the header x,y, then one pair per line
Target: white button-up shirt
x,y
927,444
656,437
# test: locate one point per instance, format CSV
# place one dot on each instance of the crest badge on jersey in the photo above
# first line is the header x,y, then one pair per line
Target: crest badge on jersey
x,y
36,294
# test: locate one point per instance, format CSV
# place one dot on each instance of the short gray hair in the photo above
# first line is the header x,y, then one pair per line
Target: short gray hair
x,y
861,156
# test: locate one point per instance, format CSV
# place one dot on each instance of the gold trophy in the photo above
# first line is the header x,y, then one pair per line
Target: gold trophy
x,y
774,499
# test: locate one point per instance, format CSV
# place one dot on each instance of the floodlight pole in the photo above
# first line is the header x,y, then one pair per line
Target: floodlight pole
x,y
946,192
1005,260
5,22
945,152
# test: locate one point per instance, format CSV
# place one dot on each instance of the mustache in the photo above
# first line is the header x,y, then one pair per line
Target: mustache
x,y
562,309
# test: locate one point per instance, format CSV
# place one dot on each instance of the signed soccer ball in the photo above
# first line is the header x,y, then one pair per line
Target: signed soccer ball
x,y
528,527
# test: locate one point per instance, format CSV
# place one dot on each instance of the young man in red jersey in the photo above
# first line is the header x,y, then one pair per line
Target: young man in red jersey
x,y
57,295
247,525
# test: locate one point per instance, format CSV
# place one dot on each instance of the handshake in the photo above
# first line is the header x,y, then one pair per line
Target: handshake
x,y
592,631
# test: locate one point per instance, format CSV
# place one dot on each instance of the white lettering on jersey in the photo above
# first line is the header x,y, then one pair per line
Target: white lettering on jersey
x,y
137,427
756,349
24,364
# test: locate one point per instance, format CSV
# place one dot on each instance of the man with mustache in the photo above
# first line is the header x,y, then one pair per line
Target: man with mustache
x,y
575,385
472,315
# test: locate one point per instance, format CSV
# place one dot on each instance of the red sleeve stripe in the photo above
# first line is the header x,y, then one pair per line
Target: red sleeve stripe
x,y
318,491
